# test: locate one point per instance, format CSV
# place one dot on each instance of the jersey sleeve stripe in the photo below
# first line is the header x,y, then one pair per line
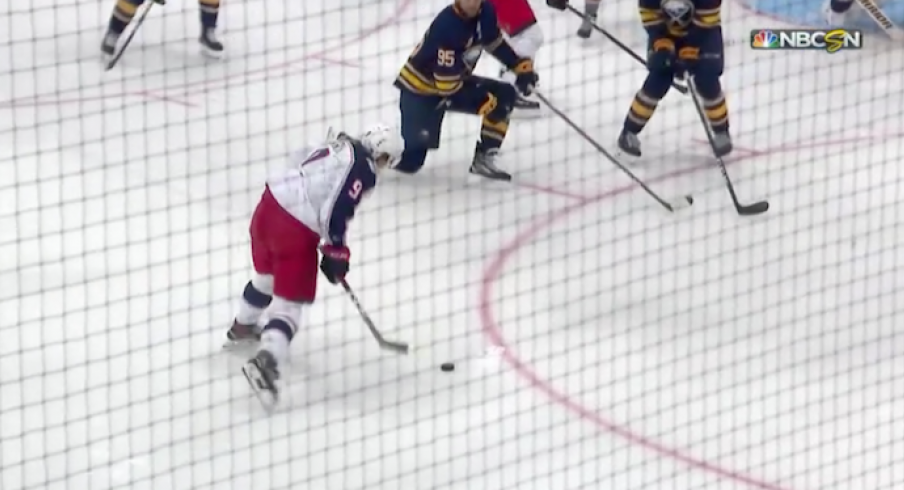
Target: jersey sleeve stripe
x,y
495,44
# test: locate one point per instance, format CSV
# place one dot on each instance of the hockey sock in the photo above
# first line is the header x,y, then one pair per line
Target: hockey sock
x,y
642,108
591,7
840,6
276,338
210,10
123,13
492,134
254,302
714,104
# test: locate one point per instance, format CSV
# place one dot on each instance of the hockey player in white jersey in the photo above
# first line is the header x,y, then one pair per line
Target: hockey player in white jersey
x,y
310,201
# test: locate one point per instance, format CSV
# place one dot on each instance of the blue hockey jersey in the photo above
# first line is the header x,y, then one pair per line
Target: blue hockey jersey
x,y
450,50
706,16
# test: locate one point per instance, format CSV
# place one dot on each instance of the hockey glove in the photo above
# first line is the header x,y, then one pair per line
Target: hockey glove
x,y
557,4
662,56
334,263
525,77
689,57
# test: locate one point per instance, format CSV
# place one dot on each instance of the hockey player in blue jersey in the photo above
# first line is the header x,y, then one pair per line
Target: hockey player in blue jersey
x,y
125,11
685,37
438,77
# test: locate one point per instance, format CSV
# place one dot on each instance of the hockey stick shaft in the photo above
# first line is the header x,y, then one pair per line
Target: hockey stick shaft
x,y
755,208
605,153
384,344
125,44
624,47
878,16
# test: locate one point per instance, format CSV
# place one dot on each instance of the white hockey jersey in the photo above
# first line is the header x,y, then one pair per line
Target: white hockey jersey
x,y
323,186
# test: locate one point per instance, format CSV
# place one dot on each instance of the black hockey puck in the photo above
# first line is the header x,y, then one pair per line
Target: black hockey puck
x,y
690,199
447,366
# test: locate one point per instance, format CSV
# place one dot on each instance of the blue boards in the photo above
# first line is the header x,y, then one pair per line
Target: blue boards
x,y
808,13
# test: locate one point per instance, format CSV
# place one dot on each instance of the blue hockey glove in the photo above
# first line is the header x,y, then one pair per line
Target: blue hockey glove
x,y
525,77
662,56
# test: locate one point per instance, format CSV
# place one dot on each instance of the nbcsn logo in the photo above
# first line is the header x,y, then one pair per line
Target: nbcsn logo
x,y
764,40
832,40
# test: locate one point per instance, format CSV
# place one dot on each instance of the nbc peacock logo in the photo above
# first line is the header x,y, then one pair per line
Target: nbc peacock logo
x,y
764,39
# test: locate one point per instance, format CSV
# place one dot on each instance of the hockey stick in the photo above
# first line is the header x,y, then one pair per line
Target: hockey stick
x,y
399,347
135,27
624,47
872,9
685,202
744,210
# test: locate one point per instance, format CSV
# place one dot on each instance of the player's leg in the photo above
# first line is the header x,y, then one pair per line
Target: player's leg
x,y
526,44
422,122
123,13
591,7
258,292
836,11
294,249
657,84
493,101
707,72
210,12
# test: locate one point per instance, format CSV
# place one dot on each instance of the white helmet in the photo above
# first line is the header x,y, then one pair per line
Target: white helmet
x,y
381,140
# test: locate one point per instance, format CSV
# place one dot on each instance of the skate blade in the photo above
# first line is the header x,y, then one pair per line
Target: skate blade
x,y
265,391
240,344
527,114
211,55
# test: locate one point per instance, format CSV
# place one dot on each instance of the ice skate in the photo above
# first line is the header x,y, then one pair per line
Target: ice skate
x,y
587,27
629,144
210,45
527,104
242,335
722,145
262,374
484,164
108,46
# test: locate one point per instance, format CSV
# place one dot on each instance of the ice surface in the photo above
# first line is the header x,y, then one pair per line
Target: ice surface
x,y
639,350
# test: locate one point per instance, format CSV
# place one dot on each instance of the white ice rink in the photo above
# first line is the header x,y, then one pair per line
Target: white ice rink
x,y
639,349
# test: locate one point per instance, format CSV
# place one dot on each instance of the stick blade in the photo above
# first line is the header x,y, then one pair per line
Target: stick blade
x,y
753,209
397,347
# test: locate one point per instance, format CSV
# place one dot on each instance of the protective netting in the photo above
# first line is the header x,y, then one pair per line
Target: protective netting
x,y
600,342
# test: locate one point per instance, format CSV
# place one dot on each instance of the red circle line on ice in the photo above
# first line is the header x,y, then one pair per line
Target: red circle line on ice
x,y
494,334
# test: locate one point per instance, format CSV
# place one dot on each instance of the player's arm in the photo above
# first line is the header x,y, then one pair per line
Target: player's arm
x,y
360,177
653,20
708,14
496,44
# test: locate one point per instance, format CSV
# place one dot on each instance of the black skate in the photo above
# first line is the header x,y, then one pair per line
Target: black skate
x,y
210,46
262,374
587,27
629,144
722,144
484,164
108,45
525,104
240,334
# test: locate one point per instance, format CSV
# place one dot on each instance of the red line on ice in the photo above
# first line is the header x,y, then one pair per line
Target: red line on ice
x,y
493,331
